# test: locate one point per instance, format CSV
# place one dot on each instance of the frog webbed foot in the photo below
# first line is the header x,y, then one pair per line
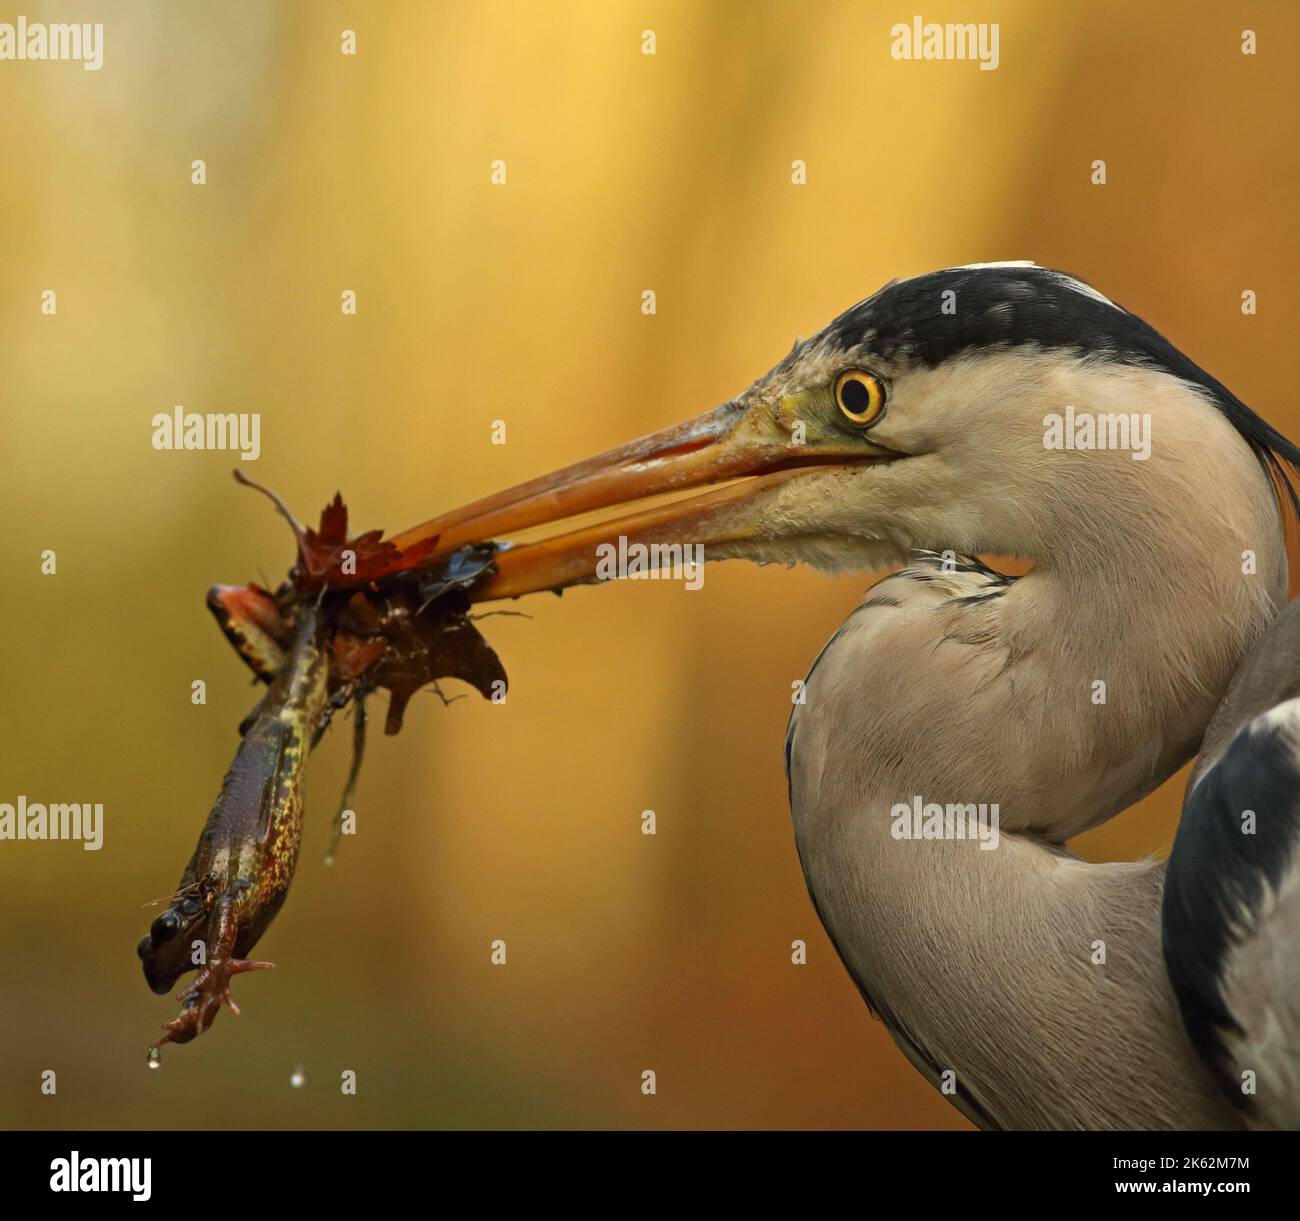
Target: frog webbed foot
x,y
202,1000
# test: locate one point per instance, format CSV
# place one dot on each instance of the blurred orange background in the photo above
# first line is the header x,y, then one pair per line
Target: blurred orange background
x,y
522,302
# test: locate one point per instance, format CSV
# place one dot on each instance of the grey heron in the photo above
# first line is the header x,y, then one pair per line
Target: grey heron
x,y
970,412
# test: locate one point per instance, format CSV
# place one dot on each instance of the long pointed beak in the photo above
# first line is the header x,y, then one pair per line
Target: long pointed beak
x,y
729,443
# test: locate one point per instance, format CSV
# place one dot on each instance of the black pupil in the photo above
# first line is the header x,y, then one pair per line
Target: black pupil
x,y
165,927
855,396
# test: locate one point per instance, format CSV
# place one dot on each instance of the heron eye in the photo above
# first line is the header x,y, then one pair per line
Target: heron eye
x,y
861,396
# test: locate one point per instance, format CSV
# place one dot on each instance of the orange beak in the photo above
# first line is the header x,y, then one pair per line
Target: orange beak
x,y
732,443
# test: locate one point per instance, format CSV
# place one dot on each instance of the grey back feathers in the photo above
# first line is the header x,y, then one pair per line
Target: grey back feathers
x,y
1231,912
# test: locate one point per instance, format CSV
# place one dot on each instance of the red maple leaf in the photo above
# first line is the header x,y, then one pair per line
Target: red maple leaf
x,y
329,559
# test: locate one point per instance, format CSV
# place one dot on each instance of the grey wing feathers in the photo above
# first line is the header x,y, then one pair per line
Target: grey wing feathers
x,y
1231,908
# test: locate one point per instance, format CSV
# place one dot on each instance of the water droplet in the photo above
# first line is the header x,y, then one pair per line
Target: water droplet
x,y
298,1078
154,1059
329,858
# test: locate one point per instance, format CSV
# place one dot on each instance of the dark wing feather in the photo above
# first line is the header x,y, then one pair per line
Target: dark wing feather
x,y
1231,915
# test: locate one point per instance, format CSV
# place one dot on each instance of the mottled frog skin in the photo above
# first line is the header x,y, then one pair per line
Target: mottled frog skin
x,y
354,616
241,869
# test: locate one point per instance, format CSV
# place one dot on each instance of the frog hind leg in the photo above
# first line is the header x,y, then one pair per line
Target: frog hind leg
x,y
251,621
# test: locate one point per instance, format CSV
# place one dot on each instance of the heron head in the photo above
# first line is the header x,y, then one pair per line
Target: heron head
x,y
941,412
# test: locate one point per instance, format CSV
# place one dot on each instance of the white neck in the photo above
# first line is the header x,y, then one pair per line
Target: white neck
x,y
1035,977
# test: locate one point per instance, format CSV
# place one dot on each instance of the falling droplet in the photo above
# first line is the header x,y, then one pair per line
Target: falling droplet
x,y
329,858
154,1059
298,1078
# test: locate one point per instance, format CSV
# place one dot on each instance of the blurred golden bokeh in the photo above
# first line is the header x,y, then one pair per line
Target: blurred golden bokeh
x,y
520,302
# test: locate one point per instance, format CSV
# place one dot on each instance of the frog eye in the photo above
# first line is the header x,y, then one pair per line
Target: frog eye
x,y
165,927
861,396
